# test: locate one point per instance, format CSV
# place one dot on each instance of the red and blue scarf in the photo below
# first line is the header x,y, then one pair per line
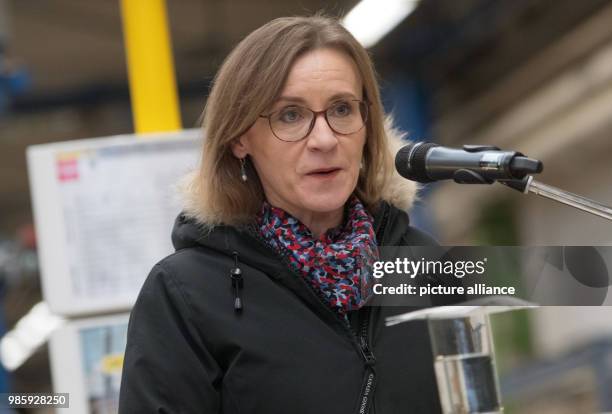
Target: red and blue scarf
x,y
338,264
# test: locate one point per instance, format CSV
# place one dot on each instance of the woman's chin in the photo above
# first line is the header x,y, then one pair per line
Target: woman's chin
x,y
324,201
326,195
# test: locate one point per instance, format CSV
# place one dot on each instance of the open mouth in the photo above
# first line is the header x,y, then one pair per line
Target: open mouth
x,y
329,172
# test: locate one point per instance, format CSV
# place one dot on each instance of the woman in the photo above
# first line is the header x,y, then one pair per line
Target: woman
x,y
261,308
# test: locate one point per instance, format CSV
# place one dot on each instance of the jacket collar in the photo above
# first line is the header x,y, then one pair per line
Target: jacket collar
x,y
251,254
187,232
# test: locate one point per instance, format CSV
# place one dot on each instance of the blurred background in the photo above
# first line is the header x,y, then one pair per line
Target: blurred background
x,y
533,76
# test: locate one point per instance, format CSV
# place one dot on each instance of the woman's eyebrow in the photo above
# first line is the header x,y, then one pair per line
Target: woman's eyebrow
x,y
299,99
342,95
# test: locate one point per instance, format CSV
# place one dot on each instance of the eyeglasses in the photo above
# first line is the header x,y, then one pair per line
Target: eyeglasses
x,y
294,123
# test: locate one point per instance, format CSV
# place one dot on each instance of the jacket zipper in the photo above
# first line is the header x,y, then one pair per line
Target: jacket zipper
x,y
369,384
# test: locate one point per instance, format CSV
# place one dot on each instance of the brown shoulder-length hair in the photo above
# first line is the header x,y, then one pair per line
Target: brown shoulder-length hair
x,y
249,81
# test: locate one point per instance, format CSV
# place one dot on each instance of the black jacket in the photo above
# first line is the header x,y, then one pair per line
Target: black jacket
x,y
190,351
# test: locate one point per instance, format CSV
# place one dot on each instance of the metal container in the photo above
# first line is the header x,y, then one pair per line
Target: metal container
x,y
464,364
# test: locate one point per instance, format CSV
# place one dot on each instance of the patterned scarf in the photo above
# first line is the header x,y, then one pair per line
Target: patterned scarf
x,y
338,264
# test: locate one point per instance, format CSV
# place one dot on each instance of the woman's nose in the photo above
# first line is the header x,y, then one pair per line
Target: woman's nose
x,y
322,137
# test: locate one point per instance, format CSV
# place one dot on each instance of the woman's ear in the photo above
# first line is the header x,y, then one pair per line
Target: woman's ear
x,y
240,146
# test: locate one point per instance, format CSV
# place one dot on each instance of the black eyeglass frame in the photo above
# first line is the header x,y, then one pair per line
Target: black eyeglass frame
x,y
366,105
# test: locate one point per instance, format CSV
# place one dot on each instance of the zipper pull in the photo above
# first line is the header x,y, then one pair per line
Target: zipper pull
x,y
368,355
237,283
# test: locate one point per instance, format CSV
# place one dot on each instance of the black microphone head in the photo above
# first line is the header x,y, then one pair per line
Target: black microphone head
x,y
410,161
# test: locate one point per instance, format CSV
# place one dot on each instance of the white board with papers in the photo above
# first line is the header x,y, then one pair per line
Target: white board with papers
x,y
104,210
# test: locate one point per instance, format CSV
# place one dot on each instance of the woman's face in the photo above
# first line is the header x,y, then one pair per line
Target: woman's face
x,y
318,173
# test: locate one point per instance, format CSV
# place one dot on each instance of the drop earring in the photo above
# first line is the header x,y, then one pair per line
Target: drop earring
x,y
243,174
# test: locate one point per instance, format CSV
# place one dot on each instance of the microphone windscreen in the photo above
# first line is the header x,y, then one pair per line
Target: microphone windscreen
x,y
401,161
410,161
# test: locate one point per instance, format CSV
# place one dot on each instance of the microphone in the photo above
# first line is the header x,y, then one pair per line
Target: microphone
x,y
426,162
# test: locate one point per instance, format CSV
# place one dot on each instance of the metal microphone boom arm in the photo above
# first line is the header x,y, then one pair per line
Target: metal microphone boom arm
x,y
529,185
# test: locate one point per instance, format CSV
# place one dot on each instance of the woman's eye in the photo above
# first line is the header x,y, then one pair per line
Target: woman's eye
x,y
290,115
342,109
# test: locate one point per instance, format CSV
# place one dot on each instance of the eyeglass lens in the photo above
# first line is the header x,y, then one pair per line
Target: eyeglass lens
x,y
294,122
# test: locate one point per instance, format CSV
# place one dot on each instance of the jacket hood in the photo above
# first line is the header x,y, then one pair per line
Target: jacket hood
x,y
248,252
400,192
390,223
245,246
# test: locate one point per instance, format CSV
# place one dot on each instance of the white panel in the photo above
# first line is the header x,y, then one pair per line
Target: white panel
x,y
104,210
86,359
